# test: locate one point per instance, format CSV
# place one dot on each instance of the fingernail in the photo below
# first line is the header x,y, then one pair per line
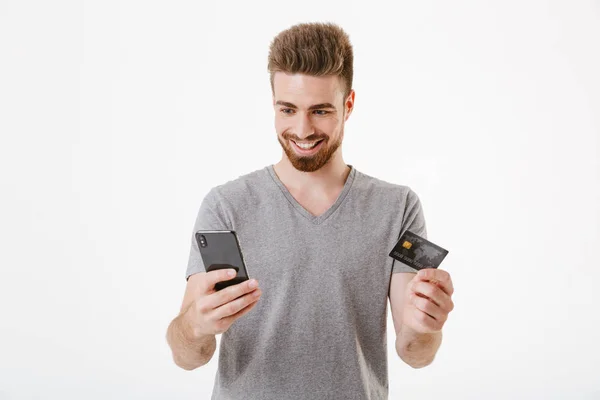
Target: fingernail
x,y
253,283
231,272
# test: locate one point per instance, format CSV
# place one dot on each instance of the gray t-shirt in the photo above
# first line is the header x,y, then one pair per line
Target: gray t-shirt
x,y
319,329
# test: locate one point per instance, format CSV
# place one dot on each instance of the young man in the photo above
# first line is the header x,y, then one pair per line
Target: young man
x,y
316,234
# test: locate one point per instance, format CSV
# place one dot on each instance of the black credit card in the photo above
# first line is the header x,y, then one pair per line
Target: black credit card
x,y
418,252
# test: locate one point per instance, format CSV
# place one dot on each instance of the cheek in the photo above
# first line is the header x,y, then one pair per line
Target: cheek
x,y
328,126
280,125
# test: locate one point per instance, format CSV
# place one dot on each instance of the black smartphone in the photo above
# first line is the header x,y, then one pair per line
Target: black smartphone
x,y
221,250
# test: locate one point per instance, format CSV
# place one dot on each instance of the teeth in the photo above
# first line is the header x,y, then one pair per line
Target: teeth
x,y
307,145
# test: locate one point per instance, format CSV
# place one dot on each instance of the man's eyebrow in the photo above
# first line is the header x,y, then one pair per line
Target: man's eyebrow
x,y
313,107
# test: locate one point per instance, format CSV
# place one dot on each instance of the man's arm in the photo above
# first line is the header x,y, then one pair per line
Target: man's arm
x,y
415,349
190,350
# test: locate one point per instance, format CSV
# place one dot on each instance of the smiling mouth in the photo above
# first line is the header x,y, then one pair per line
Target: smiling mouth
x,y
307,145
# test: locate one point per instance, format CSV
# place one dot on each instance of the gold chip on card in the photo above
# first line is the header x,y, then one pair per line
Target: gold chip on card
x,y
406,244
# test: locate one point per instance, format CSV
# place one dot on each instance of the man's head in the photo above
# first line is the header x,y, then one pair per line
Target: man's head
x,y
311,68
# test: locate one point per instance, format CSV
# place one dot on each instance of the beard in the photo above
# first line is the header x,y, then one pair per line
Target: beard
x,y
314,162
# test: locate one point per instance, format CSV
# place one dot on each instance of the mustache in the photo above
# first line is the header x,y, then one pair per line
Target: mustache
x,y
310,138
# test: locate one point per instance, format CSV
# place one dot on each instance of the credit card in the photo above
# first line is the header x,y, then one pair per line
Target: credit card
x,y
418,252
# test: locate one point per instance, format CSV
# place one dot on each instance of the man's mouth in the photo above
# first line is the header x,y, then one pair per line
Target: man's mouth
x,y
307,145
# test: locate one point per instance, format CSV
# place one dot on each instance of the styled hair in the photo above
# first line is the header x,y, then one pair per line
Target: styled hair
x,y
316,49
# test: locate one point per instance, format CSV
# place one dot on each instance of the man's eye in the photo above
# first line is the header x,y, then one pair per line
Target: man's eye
x,y
291,111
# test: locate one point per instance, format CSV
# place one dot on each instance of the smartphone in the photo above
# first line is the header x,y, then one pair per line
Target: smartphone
x,y
221,250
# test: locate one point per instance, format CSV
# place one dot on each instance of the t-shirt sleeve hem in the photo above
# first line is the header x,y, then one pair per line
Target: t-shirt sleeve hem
x,y
399,266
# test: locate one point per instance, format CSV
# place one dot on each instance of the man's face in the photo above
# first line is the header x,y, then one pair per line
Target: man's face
x,y
309,118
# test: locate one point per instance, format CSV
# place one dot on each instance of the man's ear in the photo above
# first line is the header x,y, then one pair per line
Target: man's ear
x,y
349,104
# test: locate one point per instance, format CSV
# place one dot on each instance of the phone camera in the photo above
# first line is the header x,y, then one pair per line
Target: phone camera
x,y
202,241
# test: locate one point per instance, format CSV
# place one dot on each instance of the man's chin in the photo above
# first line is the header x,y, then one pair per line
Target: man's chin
x,y
306,167
305,163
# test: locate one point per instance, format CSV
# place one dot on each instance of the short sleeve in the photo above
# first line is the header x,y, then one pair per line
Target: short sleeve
x,y
210,217
414,221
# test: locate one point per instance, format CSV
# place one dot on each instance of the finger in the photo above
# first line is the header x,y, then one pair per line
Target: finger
x,y
431,291
428,307
439,277
232,292
427,322
245,310
236,305
216,276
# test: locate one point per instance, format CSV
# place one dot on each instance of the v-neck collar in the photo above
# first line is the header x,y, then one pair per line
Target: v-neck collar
x,y
315,219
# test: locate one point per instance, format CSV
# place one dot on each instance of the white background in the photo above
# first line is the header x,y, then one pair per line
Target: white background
x,y
117,117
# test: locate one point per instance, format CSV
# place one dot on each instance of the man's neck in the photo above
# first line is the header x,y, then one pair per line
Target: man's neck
x,y
331,176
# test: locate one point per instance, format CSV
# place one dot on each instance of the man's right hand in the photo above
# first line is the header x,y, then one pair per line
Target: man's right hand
x,y
212,312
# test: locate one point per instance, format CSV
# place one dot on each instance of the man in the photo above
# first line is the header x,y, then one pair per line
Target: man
x,y
316,234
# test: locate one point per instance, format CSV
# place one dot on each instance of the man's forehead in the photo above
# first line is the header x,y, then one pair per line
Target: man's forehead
x,y
305,89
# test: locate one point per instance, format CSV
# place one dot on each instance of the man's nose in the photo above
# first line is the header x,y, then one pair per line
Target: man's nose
x,y
304,126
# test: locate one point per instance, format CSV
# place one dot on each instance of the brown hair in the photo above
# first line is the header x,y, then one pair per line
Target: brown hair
x,y
317,49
